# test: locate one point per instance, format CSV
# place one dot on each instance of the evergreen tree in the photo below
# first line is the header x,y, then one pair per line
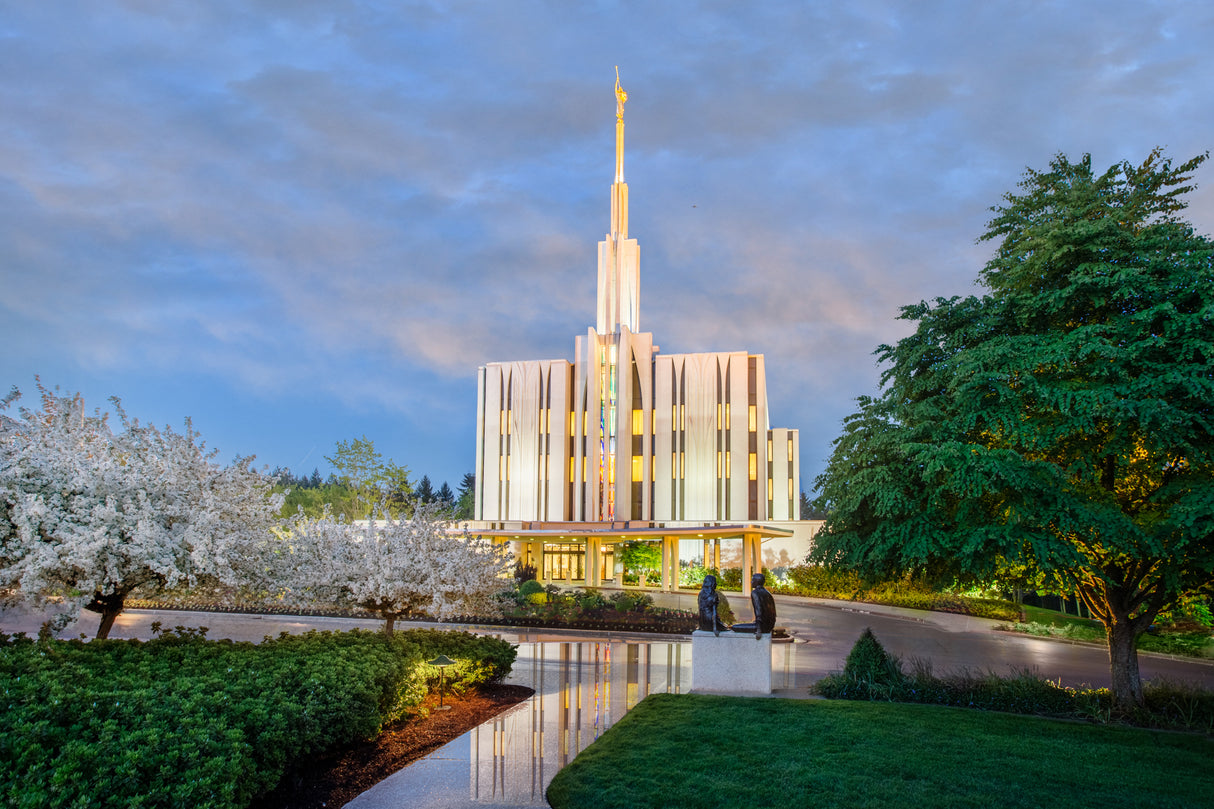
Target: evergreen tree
x,y
466,500
425,490
445,497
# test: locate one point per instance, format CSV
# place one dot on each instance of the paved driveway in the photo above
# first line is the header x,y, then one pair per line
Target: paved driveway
x,y
825,630
948,642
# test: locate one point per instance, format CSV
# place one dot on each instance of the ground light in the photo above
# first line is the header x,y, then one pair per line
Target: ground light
x,y
442,661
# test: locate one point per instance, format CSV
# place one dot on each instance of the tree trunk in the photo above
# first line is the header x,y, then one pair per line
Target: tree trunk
x,y
1123,663
389,624
110,606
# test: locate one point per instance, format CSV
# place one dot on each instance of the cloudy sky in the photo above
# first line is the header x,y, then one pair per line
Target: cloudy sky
x,y
301,222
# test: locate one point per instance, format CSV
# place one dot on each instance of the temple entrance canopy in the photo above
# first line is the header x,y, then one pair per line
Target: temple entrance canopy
x,y
585,553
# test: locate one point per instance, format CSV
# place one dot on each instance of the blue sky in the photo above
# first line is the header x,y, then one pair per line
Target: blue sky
x,y
302,222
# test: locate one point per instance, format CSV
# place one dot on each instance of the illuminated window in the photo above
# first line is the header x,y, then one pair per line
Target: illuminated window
x,y
720,462
674,417
682,465
653,417
503,424
727,464
790,450
674,464
790,490
752,417
727,413
572,422
720,412
638,471
753,464
653,467
682,417
770,448
638,421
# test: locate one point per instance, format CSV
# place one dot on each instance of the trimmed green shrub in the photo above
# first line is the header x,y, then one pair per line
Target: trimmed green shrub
x,y
530,587
870,672
631,602
183,721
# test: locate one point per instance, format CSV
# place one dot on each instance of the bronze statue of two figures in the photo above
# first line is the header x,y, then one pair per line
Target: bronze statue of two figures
x,y
762,602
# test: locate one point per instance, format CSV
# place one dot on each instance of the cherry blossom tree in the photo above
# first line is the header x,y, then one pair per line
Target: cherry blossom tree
x,y
89,514
418,566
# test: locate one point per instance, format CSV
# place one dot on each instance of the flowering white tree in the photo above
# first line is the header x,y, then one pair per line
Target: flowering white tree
x,y
407,567
88,514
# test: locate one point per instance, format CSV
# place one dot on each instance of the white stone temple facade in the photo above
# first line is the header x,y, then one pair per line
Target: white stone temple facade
x,y
623,436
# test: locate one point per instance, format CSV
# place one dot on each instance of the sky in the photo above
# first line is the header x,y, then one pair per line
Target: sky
x,y
299,222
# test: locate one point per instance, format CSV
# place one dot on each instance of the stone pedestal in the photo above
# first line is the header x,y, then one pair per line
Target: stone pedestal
x,y
734,663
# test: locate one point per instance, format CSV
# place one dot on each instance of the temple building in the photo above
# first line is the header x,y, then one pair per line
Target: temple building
x,y
624,443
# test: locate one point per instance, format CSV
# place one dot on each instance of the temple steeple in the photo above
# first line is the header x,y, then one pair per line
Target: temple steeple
x,y
619,256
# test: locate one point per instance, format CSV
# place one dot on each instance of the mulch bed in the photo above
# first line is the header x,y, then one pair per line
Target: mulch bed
x,y
333,780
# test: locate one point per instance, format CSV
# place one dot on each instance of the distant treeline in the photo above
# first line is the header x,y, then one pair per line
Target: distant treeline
x,y
312,493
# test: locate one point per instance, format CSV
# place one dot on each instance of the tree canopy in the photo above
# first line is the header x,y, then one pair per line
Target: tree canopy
x,y
89,514
413,566
1060,425
371,480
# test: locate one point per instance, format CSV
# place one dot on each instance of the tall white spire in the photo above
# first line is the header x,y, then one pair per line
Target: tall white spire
x,y
619,256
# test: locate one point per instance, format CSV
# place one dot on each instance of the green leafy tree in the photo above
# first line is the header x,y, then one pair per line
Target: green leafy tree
x,y
1061,426
640,556
371,480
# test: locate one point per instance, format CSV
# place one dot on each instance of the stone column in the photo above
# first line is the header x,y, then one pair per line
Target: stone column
x,y
674,563
670,563
594,577
747,558
535,556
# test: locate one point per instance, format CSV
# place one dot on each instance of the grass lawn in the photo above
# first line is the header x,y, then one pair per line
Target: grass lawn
x,y
702,751
1190,643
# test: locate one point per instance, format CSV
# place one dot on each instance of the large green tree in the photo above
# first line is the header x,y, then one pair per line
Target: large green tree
x,y
362,470
1061,425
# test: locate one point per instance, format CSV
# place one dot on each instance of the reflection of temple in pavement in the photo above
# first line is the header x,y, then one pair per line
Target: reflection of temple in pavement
x,y
582,689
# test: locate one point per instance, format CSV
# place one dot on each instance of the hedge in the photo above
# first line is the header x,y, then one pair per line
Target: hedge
x,y
184,721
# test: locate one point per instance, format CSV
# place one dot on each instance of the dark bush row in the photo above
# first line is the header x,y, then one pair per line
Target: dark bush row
x,y
532,604
183,721
871,673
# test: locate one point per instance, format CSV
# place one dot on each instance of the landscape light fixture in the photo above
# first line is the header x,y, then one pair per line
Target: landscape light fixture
x,y
442,661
